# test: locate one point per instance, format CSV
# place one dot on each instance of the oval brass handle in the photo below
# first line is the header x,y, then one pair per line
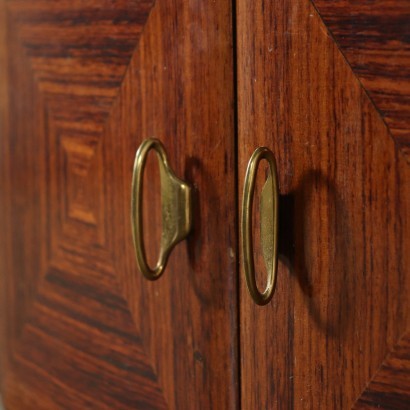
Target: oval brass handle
x,y
175,207
269,225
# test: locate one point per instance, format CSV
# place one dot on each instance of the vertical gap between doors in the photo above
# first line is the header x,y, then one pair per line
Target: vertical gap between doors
x,y
236,185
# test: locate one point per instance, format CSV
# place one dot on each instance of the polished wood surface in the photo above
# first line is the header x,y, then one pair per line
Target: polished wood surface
x,y
342,296
374,38
325,85
87,81
390,387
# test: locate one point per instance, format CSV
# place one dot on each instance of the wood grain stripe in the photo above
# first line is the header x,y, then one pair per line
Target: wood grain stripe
x,y
390,387
79,50
57,355
374,37
342,296
96,334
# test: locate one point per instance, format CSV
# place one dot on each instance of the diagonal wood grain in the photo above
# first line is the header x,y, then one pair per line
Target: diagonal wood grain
x,y
79,51
80,346
342,297
374,36
106,78
179,88
22,195
67,64
390,386
56,202
69,330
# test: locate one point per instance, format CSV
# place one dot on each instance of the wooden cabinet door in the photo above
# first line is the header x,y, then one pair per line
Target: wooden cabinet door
x,y
82,84
325,85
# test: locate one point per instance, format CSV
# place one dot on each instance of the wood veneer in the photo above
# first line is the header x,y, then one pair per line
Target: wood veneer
x,y
87,81
342,297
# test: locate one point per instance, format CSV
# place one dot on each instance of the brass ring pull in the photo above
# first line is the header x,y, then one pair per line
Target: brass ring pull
x,y
269,225
175,206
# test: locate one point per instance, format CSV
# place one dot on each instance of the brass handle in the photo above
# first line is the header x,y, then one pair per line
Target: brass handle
x,y
269,225
175,205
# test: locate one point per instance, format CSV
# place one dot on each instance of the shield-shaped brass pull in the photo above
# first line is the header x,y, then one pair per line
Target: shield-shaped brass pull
x,y
175,204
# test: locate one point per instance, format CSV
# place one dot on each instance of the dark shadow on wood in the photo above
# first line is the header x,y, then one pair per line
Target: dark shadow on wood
x,y
294,242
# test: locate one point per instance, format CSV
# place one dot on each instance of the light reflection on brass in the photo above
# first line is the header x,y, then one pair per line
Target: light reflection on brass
x,y
175,205
269,225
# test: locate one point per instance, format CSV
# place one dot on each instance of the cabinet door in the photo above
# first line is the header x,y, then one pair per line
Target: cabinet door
x,y
82,84
325,85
